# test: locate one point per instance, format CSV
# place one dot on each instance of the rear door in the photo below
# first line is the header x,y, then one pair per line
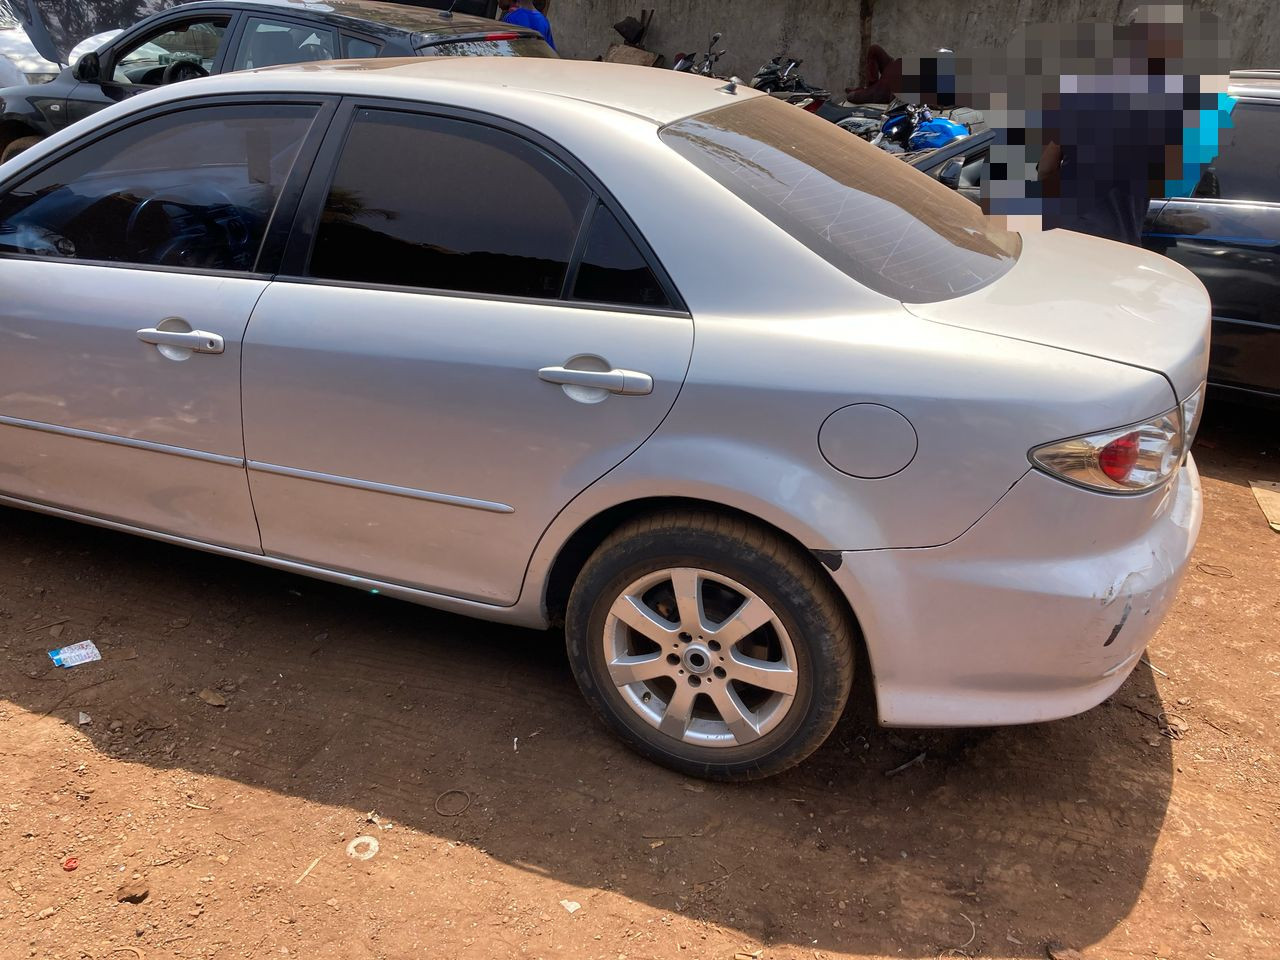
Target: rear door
x,y
268,41
469,338
1228,234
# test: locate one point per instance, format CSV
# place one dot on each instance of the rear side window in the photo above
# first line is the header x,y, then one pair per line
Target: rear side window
x,y
496,44
358,49
613,270
1242,171
436,203
891,228
194,188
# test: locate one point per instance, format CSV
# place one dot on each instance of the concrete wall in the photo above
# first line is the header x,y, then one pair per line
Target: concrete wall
x,y
825,33
822,32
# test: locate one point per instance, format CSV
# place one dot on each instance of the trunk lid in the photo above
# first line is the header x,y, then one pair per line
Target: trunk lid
x,y
1094,297
56,26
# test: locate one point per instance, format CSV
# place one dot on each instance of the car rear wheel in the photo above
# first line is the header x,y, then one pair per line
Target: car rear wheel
x,y
710,645
15,147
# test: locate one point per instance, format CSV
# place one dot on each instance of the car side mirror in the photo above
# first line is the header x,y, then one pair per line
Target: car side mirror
x,y
88,69
950,175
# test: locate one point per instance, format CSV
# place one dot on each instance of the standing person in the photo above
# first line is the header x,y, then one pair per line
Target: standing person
x,y
1113,138
505,7
525,14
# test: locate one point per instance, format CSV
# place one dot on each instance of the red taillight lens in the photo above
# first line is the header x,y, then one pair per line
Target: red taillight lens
x,y
813,106
502,36
1130,459
1118,458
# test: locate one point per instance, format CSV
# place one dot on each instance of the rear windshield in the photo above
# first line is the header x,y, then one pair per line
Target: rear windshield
x,y
497,45
890,227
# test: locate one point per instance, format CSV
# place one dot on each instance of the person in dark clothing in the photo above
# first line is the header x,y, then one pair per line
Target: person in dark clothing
x,y
884,77
524,14
1108,136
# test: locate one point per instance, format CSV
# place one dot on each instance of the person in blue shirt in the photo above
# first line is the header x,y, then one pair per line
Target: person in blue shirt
x,y
524,14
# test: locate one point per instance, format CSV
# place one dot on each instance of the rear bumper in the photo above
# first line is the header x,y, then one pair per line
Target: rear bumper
x,y
1039,611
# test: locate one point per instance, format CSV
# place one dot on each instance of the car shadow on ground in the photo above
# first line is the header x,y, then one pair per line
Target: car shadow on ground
x,y
1239,441
1032,833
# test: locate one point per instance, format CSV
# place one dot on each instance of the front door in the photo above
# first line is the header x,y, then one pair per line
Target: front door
x,y
173,50
452,365
128,270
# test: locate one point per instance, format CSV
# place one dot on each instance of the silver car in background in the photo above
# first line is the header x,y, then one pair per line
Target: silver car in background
x,y
719,387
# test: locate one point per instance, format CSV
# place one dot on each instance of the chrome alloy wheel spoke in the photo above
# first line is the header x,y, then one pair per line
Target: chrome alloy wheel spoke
x,y
688,673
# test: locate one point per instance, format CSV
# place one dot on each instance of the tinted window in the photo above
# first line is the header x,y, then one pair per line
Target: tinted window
x,y
499,45
1246,169
194,189
866,212
266,43
449,205
613,270
194,43
358,49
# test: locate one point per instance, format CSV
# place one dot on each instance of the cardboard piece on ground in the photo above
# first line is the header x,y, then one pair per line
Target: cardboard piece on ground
x,y
1267,493
621,53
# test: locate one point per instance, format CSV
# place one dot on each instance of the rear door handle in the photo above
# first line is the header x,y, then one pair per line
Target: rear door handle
x,y
625,383
197,341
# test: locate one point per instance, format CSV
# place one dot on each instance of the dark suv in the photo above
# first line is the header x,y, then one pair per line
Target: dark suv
x,y
210,36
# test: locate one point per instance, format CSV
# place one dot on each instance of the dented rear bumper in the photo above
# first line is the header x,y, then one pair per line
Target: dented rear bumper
x,y
1038,611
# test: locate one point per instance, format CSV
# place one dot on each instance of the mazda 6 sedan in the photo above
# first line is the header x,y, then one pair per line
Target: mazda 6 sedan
x,y
723,390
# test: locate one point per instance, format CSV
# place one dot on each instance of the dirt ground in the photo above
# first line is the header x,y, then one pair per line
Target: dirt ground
x,y
497,796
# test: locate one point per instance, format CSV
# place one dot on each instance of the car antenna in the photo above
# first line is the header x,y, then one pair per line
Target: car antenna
x,y
448,14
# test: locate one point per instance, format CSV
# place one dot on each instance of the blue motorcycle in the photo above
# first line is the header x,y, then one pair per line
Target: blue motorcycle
x,y
905,128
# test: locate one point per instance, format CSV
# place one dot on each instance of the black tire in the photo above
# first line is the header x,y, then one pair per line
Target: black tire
x,y
785,577
15,147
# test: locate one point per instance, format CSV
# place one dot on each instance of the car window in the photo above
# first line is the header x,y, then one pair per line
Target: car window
x,y
613,270
495,44
357,49
861,209
1246,169
431,202
971,172
189,189
193,42
267,43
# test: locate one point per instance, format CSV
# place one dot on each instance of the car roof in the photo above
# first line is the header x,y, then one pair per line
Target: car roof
x,y
660,96
373,16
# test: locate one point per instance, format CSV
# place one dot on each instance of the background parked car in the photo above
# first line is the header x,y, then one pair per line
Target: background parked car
x,y
20,62
196,39
1227,232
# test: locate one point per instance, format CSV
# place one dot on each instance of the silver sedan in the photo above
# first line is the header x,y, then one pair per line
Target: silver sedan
x,y
723,390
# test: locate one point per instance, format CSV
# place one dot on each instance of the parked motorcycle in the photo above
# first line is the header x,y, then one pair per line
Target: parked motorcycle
x,y
905,128
706,67
780,78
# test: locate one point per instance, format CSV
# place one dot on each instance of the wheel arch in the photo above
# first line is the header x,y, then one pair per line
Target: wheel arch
x,y
12,129
574,552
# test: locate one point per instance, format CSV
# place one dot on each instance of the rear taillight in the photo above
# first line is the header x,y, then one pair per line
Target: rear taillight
x,y
501,36
1131,459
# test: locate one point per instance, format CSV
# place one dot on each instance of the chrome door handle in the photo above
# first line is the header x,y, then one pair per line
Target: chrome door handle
x,y
197,341
625,383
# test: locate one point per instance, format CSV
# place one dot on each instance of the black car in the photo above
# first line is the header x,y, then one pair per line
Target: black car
x,y
959,164
212,36
1227,233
